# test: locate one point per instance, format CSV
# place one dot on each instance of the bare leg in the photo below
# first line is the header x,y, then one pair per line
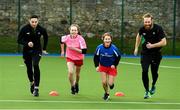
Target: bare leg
x,y
111,81
104,78
71,67
78,69
71,70
104,82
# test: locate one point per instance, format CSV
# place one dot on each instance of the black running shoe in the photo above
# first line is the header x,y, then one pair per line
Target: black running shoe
x,y
106,96
36,92
73,90
77,87
111,86
32,88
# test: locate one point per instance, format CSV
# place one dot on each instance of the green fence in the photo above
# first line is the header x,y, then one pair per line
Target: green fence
x,y
120,17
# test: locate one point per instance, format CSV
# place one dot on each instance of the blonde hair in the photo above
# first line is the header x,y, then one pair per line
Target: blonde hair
x,y
78,28
148,15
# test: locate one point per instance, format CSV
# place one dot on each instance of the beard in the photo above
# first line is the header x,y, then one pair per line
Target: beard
x,y
148,27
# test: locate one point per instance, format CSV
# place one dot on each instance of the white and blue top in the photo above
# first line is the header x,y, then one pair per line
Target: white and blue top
x,y
107,56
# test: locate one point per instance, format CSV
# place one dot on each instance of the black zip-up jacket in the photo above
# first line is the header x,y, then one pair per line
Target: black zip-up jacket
x,y
29,34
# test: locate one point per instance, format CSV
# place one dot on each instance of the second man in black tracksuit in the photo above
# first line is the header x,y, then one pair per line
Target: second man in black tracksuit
x,y
30,37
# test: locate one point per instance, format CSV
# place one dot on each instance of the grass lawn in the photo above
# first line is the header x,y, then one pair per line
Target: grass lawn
x,y
15,94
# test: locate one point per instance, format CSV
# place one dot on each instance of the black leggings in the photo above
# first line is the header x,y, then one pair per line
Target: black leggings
x,y
147,60
32,63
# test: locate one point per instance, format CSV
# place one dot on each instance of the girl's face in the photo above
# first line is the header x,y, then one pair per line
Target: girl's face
x,y
107,41
73,30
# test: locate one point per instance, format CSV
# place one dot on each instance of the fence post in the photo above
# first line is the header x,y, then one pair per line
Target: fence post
x,y
122,25
174,29
19,22
70,16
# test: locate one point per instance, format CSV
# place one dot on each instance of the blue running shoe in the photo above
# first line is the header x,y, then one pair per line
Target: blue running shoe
x,y
153,90
146,96
32,88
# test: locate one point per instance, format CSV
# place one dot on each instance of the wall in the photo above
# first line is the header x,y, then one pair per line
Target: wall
x,y
94,16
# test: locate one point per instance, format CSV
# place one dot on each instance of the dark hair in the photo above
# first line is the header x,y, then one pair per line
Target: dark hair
x,y
34,16
106,34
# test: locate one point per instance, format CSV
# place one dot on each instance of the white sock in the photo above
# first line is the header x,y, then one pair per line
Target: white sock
x,y
36,87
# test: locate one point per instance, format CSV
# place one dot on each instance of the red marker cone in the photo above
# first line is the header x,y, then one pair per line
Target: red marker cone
x,y
54,93
119,94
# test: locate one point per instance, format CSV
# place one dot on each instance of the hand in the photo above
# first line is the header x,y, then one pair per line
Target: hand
x,y
97,69
135,52
112,66
45,52
30,44
75,49
149,45
62,54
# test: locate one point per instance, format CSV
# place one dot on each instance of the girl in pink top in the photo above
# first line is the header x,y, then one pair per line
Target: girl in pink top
x,y
75,50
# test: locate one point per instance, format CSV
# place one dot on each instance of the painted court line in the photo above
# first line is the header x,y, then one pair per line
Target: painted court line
x,y
88,102
162,66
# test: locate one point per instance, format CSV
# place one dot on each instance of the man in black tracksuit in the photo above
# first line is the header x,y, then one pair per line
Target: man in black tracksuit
x,y
152,38
30,37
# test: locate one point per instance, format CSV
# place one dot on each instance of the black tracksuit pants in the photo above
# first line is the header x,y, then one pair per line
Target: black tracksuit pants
x,y
32,59
152,60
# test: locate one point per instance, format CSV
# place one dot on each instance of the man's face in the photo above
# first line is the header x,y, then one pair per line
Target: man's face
x,y
147,23
33,22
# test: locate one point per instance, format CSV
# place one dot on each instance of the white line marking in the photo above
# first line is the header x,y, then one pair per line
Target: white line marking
x,y
89,102
130,63
21,65
162,66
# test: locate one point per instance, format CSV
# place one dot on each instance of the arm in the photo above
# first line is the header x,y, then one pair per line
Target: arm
x,y
45,38
117,61
117,55
138,40
62,45
62,49
20,39
158,44
83,51
96,60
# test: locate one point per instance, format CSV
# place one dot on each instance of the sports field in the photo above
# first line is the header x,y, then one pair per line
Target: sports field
x,y
15,94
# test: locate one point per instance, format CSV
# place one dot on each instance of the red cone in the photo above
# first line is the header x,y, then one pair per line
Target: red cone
x,y
119,94
54,93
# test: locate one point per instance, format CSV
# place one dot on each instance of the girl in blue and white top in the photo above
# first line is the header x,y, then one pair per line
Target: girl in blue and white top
x,y
106,59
